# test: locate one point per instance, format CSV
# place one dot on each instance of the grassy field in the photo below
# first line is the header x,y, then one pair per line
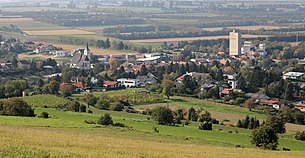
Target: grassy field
x,y
59,32
65,134
45,100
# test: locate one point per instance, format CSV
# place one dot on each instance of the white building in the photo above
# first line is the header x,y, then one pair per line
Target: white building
x,y
127,82
293,75
60,54
235,43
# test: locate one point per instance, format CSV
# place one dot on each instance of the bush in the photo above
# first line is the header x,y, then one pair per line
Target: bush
x,y
103,104
117,107
73,106
90,111
105,120
300,136
90,121
265,137
44,115
162,115
205,125
82,108
15,107
119,125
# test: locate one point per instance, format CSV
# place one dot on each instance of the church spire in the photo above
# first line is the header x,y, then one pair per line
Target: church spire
x,y
88,46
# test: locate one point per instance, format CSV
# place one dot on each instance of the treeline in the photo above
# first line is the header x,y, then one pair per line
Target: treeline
x,y
227,24
130,29
169,34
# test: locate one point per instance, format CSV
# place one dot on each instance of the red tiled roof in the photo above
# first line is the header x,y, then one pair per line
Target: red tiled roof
x,y
136,68
271,102
226,91
181,77
79,84
110,83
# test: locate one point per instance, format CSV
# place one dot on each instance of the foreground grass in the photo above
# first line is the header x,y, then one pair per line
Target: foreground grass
x,y
25,141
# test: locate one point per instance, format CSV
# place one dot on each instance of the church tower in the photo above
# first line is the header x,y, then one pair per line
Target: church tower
x,y
87,52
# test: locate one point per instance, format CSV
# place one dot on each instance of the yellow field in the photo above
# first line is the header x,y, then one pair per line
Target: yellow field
x,y
17,141
243,28
13,20
190,39
59,32
95,51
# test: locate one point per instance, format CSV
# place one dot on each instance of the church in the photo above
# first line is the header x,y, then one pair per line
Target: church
x,y
81,59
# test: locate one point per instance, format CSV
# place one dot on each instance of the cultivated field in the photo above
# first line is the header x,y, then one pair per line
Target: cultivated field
x,y
162,40
59,32
14,20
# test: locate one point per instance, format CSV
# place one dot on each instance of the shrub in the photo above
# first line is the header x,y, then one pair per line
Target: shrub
x,y
103,104
119,125
300,136
82,108
214,121
265,137
15,107
90,111
90,121
162,115
117,107
105,120
156,129
73,106
44,115
205,125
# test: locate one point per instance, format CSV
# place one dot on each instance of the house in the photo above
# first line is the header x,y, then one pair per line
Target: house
x,y
227,91
127,82
276,104
231,79
258,97
60,54
194,75
149,79
81,59
300,106
80,86
111,84
293,75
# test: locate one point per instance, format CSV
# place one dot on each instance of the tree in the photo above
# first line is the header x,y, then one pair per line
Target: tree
x,y
114,63
107,44
15,107
178,116
205,116
277,123
167,86
66,89
103,104
192,114
90,99
162,115
288,94
14,88
105,120
205,125
300,136
249,104
265,137
117,107
73,106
